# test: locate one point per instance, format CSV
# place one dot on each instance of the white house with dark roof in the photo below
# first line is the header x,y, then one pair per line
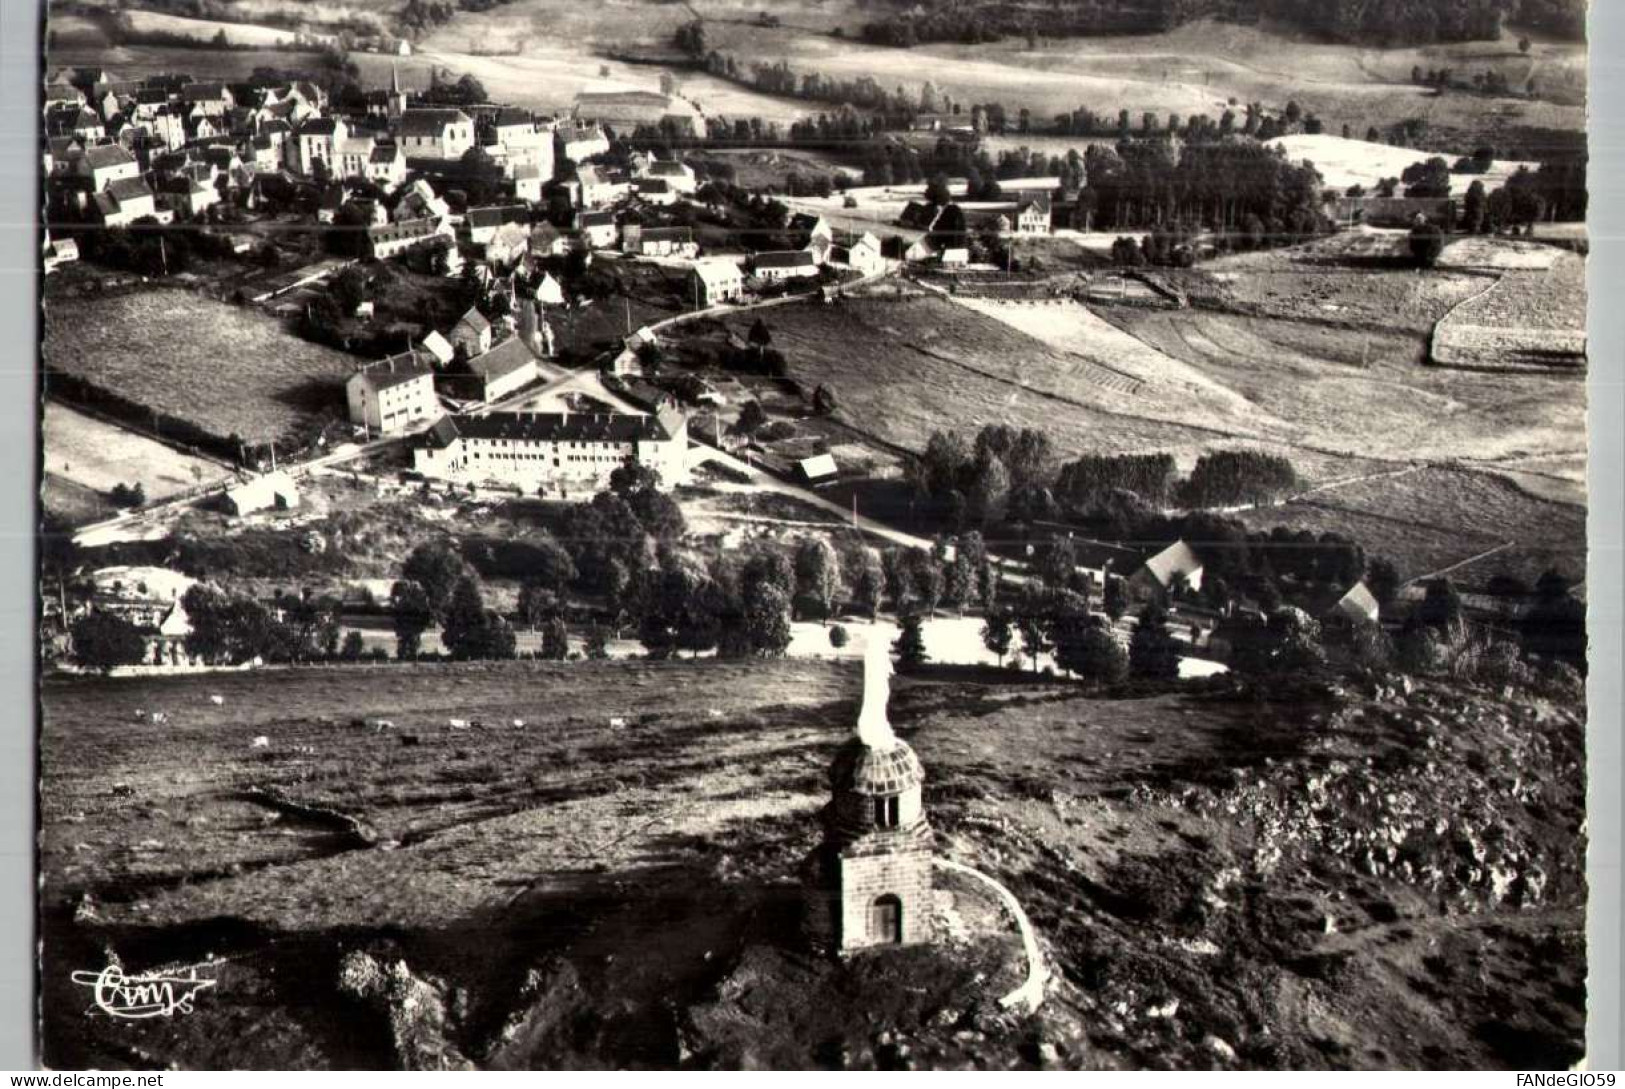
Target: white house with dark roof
x,y
391,395
1177,563
717,280
126,200
490,376
212,99
393,239
659,241
106,164
521,142
572,452
484,222
578,141
1033,213
784,265
386,166
445,134
527,183
598,229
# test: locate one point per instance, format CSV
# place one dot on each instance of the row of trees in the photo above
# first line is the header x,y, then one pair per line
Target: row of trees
x,y
1085,644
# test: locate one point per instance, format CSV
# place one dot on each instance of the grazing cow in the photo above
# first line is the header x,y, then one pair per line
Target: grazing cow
x,y
457,723
617,723
217,700
260,742
158,717
519,724
381,725
140,715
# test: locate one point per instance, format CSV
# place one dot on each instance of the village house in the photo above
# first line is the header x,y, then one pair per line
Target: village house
x,y
541,289
126,200
807,229
167,129
211,99
393,239
63,94
75,121
655,191
520,142
186,197
917,251
579,141
678,175
483,222
150,599
920,216
472,334
1354,607
863,256
942,122
392,394
441,134
1176,565
107,164
438,347
570,452
419,201
527,183
954,257
271,491
547,240
598,187
508,245
776,265
490,376
386,166
717,280
597,229
659,241
1033,214
59,252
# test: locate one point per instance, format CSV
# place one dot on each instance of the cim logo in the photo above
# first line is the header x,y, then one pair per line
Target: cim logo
x,y
146,994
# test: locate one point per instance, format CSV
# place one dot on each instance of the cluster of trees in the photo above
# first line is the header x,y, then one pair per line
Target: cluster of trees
x,y
1254,121
1227,478
778,78
1088,482
1045,620
149,249
1004,473
1490,81
1233,184
1429,178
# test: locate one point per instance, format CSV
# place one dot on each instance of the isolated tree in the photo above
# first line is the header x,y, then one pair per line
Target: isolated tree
x,y
936,190
103,642
1440,607
997,634
824,402
1114,598
353,646
597,643
412,613
1087,646
1524,45
838,636
555,640
437,569
1057,563
910,644
866,579
760,336
818,578
767,619
752,417
1427,244
537,604
1153,652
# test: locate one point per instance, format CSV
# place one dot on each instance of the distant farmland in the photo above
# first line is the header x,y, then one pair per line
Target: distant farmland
x,y
206,369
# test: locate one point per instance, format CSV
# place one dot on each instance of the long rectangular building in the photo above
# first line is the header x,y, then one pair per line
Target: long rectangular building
x,y
553,452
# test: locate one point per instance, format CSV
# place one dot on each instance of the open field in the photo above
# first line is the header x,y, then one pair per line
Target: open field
x,y
1530,317
1343,163
1199,68
1436,518
643,877
224,369
243,33
99,455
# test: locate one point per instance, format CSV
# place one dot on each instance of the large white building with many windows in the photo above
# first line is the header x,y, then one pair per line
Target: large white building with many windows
x,y
391,395
553,452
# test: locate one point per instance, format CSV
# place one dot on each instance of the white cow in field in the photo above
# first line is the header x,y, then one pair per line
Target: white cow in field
x,y
140,715
159,718
617,723
457,723
217,700
381,725
260,742
519,724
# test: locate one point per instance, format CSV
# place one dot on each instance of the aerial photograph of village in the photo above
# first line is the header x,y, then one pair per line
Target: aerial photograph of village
x,y
812,534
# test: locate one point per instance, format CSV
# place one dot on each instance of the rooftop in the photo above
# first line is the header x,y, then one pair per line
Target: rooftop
x,y
549,427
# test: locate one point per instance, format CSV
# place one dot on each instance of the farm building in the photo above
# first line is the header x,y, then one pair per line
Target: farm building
x,y
560,450
271,491
955,257
390,395
439,347
1357,606
107,164
679,176
141,595
1162,570
127,200
863,256
784,265
818,469
599,187
656,191
717,280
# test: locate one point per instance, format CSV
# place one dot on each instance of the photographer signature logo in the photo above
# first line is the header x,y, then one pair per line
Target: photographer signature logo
x,y
143,995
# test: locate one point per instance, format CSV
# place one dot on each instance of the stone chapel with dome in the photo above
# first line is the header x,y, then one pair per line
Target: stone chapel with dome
x,y
869,881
